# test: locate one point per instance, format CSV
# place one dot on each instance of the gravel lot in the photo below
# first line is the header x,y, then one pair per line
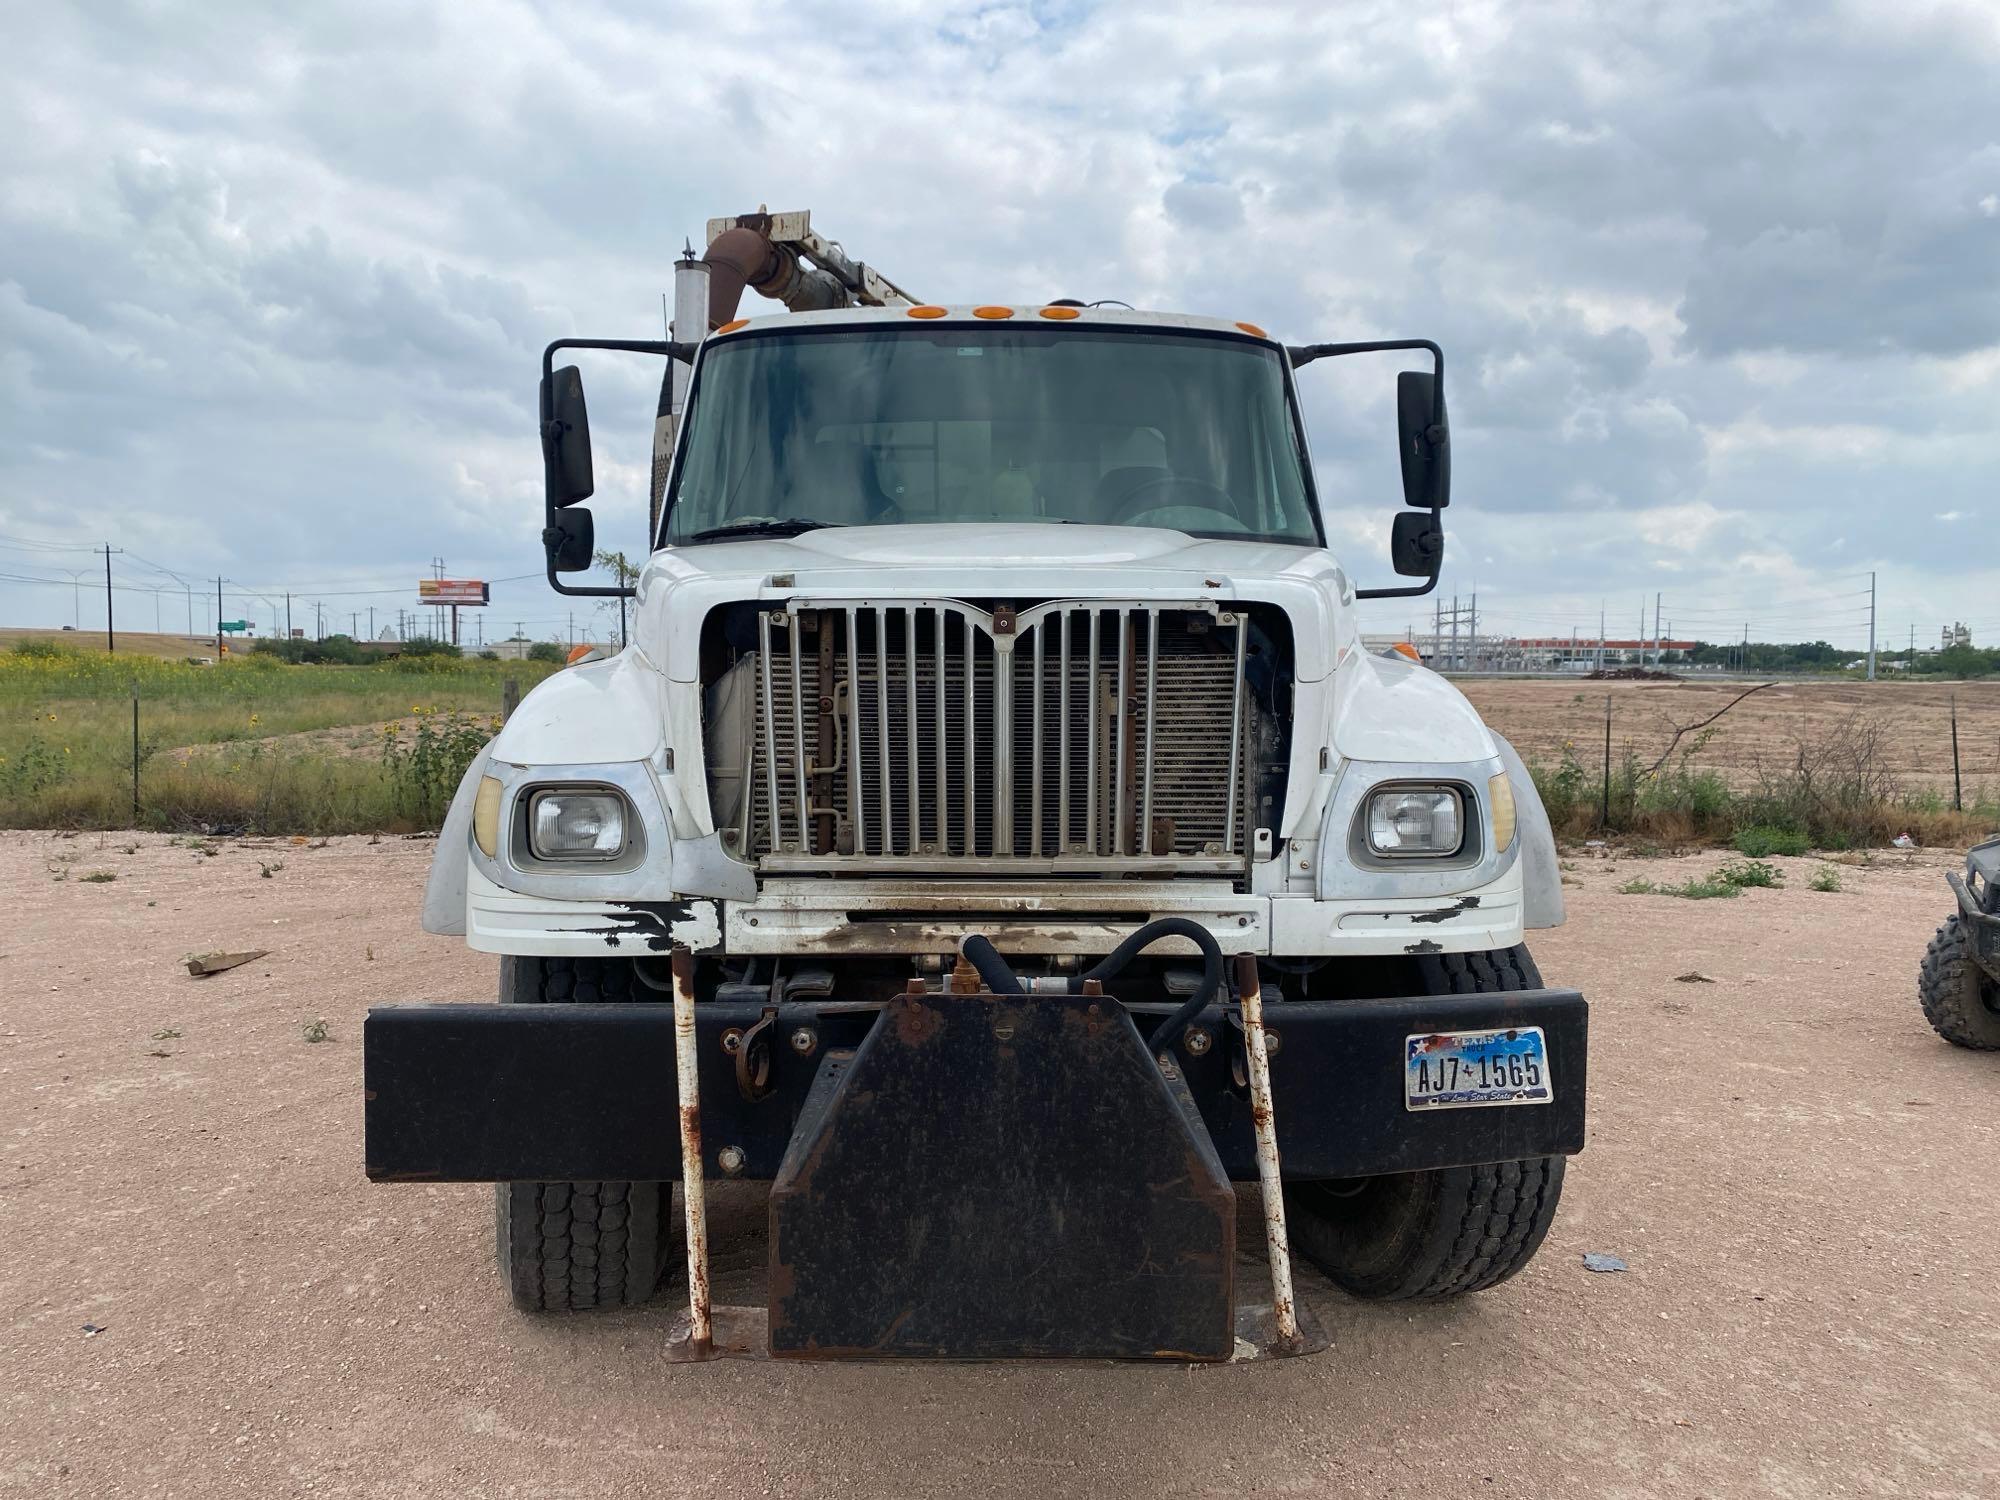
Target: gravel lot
x,y
1800,1175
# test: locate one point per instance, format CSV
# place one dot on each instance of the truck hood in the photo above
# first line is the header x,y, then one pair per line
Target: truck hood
x,y
983,560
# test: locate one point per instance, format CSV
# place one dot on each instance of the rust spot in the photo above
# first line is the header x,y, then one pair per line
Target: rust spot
x,y
1424,945
915,1022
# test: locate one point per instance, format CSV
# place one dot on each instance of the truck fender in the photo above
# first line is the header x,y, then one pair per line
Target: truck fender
x,y
1541,875
444,893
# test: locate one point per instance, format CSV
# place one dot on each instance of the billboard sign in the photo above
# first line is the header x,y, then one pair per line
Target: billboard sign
x,y
451,591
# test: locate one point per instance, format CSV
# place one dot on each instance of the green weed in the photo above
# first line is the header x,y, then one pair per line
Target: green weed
x,y
1745,873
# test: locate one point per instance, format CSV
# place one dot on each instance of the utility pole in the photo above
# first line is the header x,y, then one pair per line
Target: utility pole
x,y
371,622
1656,630
110,632
1871,624
319,624
353,623
288,614
1600,637
218,619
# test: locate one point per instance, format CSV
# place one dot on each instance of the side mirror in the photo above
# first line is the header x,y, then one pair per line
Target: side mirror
x,y
1416,545
1424,438
571,540
566,438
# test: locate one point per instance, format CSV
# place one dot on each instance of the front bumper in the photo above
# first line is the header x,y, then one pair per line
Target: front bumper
x,y
473,1093
824,918
1977,892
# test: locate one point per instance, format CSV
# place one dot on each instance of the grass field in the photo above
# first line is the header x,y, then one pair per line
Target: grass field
x,y
1833,762
256,744
235,745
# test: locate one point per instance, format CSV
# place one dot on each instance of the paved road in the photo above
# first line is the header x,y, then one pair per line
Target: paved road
x,y
1801,1177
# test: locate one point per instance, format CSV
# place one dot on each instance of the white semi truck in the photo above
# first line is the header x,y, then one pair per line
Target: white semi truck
x,y
996,838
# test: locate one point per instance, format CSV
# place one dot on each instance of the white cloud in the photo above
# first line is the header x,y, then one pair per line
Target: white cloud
x,y
276,283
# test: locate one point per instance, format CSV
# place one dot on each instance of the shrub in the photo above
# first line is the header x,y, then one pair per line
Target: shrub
x,y
1825,878
1761,839
43,650
427,767
427,645
549,652
1712,889
1744,873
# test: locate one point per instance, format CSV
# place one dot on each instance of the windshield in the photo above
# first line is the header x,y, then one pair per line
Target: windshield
x,y
925,424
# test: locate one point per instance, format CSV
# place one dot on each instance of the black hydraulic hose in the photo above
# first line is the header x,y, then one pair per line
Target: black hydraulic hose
x,y
983,956
1169,1031
1002,980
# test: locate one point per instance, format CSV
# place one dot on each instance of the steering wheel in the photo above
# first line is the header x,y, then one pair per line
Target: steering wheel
x,y
1139,500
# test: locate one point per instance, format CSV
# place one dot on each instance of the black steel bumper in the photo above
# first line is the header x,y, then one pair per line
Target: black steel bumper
x,y
474,1093
1978,892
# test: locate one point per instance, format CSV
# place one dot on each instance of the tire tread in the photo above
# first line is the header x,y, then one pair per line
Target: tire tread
x,y
573,1246
1950,987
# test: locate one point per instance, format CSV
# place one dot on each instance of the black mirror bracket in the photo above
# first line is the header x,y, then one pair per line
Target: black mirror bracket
x,y
567,534
1424,443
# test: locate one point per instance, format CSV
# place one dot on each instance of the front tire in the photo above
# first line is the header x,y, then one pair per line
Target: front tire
x,y
572,1246
1959,998
1443,1232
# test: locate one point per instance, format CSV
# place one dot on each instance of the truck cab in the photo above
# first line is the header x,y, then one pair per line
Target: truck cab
x,y
1014,621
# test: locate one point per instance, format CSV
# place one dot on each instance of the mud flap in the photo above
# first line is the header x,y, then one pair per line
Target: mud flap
x,y
998,1177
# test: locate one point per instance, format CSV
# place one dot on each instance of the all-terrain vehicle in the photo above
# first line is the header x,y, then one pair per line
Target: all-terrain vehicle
x,y
1959,981
996,838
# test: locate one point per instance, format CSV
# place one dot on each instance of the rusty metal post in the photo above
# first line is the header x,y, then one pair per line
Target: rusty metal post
x,y
1284,1309
701,1337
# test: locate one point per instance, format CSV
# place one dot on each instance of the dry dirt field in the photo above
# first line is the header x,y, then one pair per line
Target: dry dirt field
x,y
1799,1174
1541,715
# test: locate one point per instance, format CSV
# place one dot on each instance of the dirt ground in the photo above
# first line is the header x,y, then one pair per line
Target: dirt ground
x,y
1543,715
1799,1174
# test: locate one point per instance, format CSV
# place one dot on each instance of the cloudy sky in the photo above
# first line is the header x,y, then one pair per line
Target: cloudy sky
x,y
1719,284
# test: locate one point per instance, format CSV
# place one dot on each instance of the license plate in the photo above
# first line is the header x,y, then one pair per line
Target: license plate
x,y
1467,1069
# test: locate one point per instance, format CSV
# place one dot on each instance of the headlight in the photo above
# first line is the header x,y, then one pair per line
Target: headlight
x,y
576,825
1416,820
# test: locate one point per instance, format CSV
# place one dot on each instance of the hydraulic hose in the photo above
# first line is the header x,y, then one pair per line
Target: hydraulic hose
x,y
1002,980
983,956
1170,1030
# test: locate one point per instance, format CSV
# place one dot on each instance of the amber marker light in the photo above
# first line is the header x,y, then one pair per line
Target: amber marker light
x,y
993,312
926,312
1060,314
1253,330
733,325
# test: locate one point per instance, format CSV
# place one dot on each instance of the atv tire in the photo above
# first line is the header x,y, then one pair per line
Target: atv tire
x,y
570,1246
1960,999
1443,1232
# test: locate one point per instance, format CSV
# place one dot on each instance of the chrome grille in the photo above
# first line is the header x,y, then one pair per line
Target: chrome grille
x,y
927,734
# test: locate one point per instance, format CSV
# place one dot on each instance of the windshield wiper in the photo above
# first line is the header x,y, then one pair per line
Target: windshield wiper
x,y
762,526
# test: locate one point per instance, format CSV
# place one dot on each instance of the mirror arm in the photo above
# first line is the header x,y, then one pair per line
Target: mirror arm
x,y
671,349
1403,593
580,590
1304,354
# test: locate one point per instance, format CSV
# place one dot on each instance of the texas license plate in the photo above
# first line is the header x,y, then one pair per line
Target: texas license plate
x,y
1465,1069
